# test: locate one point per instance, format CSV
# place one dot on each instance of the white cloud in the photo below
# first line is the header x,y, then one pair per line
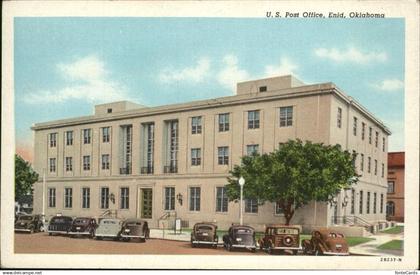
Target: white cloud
x,y
88,80
389,85
194,74
351,55
231,73
285,67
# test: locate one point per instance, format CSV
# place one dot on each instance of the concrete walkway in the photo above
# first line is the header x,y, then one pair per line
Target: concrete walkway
x,y
168,234
371,248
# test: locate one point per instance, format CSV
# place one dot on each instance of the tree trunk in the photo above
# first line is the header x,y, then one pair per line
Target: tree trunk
x,y
288,211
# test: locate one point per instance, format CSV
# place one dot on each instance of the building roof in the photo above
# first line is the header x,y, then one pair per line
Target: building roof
x,y
396,159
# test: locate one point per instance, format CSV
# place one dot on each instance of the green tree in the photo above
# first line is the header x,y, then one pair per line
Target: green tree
x,y
25,177
294,175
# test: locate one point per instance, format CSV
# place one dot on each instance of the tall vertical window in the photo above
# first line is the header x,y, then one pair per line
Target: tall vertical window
x,y
126,153
253,119
106,134
363,130
374,203
383,144
370,135
286,116
391,187
354,126
173,147
339,117
196,125
362,162
104,198
69,138
278,209
383,170
169,198
85,197
195,198
368,203
221,200
390,208
251,206
223,155
361,202
381,210
354,158
195,156
376,167
149,143
124,198
105,162
53,139
252,149
68,197
86,136
223,122
353,193
69,164
376,139
52,165
51,197
86,163
369,164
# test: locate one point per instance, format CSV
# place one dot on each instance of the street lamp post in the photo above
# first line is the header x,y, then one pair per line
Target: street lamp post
x,y
241,184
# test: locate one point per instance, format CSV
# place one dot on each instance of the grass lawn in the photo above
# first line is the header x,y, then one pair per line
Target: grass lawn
x,y
394,245
394,230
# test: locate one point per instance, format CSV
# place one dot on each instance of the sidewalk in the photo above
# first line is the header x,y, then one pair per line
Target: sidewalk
x,y
370,248
168,234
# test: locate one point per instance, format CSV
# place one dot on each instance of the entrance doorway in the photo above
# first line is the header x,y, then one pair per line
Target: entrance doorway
x,y
147,203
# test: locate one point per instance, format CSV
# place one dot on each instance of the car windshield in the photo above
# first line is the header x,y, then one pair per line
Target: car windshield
x,y
109,222
335,235
286,231
204,228
81,221
133,223
26,218
243,231
60,220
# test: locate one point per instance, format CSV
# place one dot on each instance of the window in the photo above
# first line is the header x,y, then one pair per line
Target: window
x,y
223,155
221,200
286,116
105,134
196,125
376,139
85,197
376,167
53,139
109,110
172,161
383,170
68,197
381,210
252,149
374,203
390,208
368,164
263,89
52,165
86,163
368,203
279,209
251,206
223,122
370,135
51,197
69,138
391,186
339,117
362,161
124,198
86,136
363,130
196,157
353,192
361,202
354,154
104,198
253,119
383,144
354,126
195,198
105,162
169,198
69,164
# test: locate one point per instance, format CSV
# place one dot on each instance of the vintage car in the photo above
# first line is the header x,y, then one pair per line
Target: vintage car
x,y
60,225
240,236
134,229
204,233
83,226
326,242
108,228
280,238
29,223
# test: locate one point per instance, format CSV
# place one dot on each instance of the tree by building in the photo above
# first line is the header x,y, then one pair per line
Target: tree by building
x,y
25,177
294,175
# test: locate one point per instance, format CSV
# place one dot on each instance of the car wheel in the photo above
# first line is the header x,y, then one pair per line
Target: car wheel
x,y
126,239
142,240
31,230
49,234
229,247
318,252
270,250
253,250
295,252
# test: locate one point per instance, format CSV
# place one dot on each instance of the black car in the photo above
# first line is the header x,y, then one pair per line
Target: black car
x,y
240,236
28,223
83,226
60,225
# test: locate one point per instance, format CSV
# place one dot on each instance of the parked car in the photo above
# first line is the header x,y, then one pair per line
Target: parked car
x,y
83,226
204,233
326,242
134,229
240,236
280,238
60,225
108,228
28,223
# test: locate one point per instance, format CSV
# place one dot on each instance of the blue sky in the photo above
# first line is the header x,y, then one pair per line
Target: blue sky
x,y
64,66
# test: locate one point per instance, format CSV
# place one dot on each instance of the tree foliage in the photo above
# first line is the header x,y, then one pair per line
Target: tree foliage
x,y
25,177
294,175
